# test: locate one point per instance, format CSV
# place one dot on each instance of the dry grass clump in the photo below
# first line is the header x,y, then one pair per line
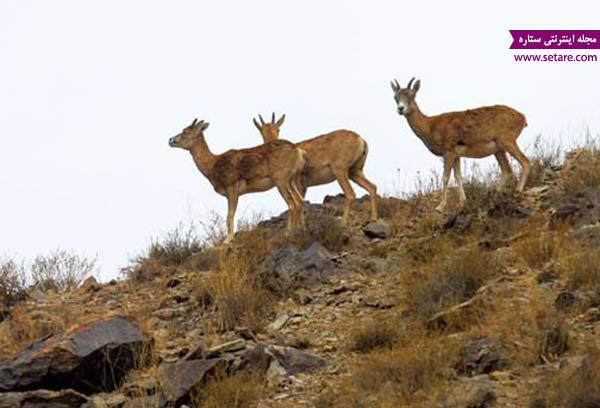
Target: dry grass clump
x,y
454,280
578,387
428,249
399,376
581,173
539,250
545,156
323,227
583,269
372,335
235,291
238,391
552,336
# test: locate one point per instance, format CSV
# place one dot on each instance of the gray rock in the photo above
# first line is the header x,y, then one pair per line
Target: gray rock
x,y
288,268
180,380
480,355
78,359
296,361
377,229
43,399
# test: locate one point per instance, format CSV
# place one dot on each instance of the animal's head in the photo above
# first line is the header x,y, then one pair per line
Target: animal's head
x,y
269,131
188,136
405,97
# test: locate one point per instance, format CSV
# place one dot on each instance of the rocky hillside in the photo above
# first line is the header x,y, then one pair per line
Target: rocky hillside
x,y
496,304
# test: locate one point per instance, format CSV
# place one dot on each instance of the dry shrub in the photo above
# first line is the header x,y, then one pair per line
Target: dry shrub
x,y
583,269
60,270
545,157
238,391
454,280
428,249
372,335
177,246
539,250
552,336
13,286
578,388
399,376
581,172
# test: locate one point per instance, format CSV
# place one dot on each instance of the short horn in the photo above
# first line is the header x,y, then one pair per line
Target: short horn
x,y
262,121
410,82
396,83
195,121
256,124
273,117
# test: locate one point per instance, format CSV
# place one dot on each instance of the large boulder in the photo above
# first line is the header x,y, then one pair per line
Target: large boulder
x,y
289,268
42,399
88,359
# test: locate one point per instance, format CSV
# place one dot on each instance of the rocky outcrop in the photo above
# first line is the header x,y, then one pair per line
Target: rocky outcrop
x,y
88,359
289,268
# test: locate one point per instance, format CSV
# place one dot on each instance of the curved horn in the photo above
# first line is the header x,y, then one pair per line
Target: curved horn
x,y
262,121
194,122
410,82
273,117
397,84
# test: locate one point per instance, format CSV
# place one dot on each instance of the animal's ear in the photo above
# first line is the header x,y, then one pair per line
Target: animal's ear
x,y
395,85
204,126
416,86
257,124
280,121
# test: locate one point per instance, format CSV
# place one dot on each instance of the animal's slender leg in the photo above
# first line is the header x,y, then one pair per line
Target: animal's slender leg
x,y
298,197
359,178
515,152
459,181
448,162
507,173
232,201
343,180
285,191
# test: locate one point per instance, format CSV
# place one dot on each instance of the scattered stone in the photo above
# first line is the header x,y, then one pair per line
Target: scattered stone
x,y
548,275
89,285
78,359
43,399
279,322
229,347
459,221
179,380
469,393
480,355
296,361
173,283
377,229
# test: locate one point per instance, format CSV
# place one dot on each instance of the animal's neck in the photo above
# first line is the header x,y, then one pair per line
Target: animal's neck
x,y
203,157
419,123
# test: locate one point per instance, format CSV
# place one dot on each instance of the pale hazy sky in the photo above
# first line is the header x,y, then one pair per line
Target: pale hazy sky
x,y
90,92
